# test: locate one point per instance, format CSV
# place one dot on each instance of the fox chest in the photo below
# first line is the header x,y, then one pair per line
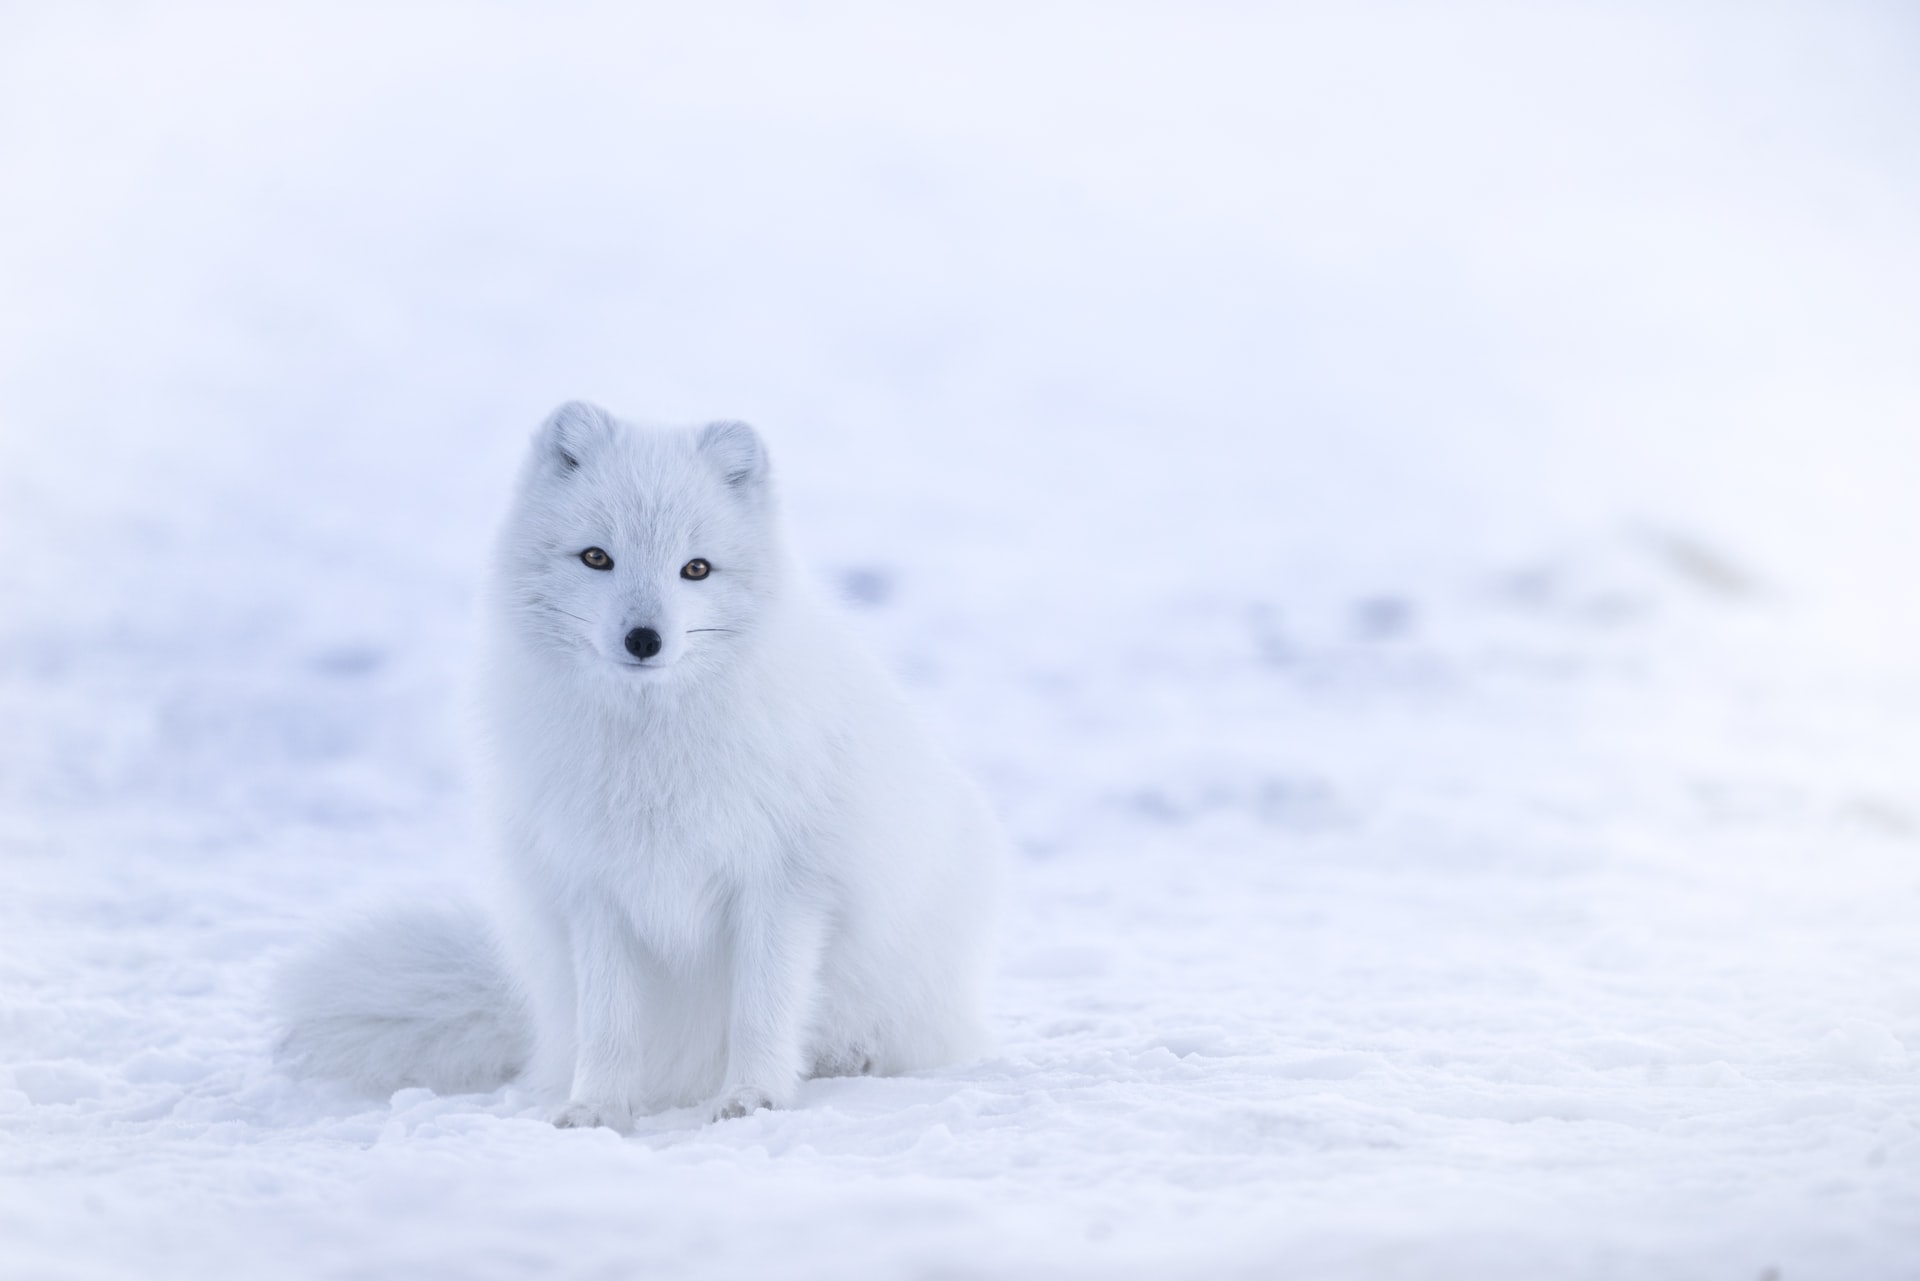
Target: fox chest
x,y
678,828
676,855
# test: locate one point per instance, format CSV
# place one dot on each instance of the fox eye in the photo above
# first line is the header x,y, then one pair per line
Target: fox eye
x,y
696,569
594,558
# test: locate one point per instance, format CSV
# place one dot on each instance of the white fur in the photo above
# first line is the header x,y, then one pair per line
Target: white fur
x,y
416,997
728,867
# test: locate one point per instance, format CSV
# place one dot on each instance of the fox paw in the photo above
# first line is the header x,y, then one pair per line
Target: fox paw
x,y
576,1115
741,1102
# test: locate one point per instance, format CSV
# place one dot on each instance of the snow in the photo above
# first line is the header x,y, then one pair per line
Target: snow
x,y
1407,511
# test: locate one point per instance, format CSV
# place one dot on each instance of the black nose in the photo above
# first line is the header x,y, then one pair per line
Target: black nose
x,y
643,642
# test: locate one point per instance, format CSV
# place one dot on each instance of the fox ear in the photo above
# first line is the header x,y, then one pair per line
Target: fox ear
x,y
570,433
736,450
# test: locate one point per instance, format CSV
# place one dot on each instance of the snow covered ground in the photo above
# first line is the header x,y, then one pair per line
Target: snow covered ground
x,y
1409,512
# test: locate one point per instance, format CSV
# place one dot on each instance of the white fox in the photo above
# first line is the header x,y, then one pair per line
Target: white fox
x,y
732,860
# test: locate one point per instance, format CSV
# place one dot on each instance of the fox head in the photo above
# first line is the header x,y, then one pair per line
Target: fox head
x,y
647,552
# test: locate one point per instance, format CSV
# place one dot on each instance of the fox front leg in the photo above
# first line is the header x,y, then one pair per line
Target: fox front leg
x,y
608,974
776,975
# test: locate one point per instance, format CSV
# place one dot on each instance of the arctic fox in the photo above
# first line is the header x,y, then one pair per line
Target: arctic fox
x,y
731,859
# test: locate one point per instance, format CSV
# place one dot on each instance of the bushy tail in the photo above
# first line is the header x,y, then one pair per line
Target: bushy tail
x,y
414,997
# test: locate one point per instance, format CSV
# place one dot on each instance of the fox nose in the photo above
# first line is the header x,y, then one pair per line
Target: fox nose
x,y
643,642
